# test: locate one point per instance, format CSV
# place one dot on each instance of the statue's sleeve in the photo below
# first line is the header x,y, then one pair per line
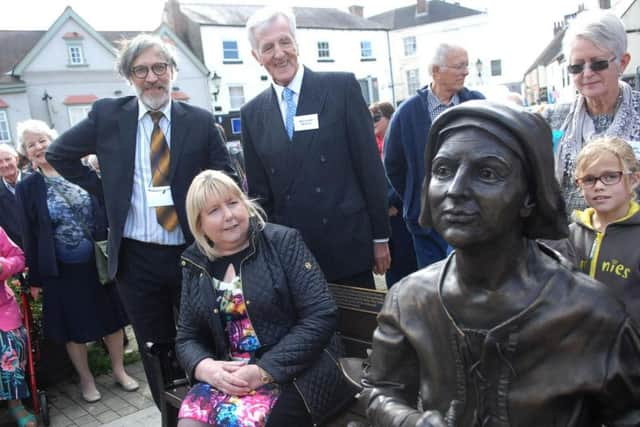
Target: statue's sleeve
x,y
620,395
393,374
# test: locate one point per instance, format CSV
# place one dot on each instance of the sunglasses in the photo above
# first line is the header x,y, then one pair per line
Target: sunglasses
x,y
141,71
600,65
376,118
607,178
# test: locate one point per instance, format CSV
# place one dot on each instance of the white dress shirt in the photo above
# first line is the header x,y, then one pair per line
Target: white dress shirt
x,y
141,223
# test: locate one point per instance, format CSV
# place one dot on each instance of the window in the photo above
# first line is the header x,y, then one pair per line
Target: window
x,y
76,56
365,49
5,133
413,81
236,126
496,67
323,50
230,51
409,46
77,113
369,88
236,97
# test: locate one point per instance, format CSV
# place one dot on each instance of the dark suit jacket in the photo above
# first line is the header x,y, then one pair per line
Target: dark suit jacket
x,y
9,217
110,132
329,182
37,232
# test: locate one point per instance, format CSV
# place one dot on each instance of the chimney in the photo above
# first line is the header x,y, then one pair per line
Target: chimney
x,y
173,17
357,10
422,7
605,4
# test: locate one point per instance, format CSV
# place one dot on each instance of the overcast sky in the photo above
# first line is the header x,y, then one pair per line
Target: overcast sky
x,y
146,14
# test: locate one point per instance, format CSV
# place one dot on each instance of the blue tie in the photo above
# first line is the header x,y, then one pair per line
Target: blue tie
x,y
287,94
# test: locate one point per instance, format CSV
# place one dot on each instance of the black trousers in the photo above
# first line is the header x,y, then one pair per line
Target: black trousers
x,y
289,410
149,280
360,280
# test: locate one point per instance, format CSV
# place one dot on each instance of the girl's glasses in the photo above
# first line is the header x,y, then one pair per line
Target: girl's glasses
x,y
607,178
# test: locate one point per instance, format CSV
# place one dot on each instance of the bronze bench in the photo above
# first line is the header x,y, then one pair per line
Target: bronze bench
x,y
357,308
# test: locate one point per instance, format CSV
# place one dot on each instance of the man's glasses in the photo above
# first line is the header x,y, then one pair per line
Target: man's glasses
x,y
607,178
600,65
376,118
141,71
458,67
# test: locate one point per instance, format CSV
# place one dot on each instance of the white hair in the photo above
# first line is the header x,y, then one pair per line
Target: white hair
x,y
603,29
9,149
33,126
264,17
439,58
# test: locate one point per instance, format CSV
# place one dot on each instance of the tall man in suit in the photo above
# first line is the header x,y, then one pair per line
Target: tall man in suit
x,y
149,148
10,175
311,156
406,140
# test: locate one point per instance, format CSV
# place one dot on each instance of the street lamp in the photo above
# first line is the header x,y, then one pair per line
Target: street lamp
x,y
215,82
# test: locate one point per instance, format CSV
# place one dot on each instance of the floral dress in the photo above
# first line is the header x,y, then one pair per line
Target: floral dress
x,y
13,350
206,404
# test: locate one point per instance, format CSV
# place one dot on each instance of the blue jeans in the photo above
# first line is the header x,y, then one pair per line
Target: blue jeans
x,y
430,247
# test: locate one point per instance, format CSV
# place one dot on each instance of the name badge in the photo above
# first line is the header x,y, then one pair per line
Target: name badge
x,y
307,122
159,196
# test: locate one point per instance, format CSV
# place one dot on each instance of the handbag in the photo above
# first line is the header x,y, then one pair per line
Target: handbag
x,y
102,260
99,246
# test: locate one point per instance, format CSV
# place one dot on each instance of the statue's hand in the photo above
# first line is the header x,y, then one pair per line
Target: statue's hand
x,y
431,419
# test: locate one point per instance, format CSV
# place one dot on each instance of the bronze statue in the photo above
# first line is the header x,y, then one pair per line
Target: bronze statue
x,y
504,332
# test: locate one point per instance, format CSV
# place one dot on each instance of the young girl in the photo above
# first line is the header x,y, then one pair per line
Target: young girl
x,y
13,337
606,234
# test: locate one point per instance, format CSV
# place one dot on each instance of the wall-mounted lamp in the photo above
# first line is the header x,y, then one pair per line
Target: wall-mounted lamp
x,y
215,83
479,68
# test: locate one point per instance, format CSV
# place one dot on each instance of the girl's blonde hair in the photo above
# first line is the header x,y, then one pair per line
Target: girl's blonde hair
x,y
597,148
214,184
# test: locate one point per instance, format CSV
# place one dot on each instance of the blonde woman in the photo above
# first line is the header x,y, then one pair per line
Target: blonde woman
x,y
257,323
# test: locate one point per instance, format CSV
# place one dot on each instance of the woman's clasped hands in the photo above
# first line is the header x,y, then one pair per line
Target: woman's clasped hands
x,y
231,377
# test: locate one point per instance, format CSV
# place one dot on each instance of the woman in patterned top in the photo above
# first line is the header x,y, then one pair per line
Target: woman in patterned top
x,y
595,46
57,218
257,323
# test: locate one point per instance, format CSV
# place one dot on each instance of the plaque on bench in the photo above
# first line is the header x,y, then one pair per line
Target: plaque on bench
x,y
358,309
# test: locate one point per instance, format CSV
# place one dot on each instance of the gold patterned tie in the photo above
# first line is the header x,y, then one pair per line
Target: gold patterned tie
x,y
160,157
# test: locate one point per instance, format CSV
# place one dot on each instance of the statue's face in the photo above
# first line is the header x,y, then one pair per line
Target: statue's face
x,y
477,189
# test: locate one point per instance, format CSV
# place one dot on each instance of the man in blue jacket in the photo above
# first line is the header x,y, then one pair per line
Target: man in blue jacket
x,y
406,140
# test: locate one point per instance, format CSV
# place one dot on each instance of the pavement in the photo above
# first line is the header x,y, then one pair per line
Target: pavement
x,y
117,408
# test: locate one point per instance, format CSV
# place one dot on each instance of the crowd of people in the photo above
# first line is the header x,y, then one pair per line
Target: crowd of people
x,y
460,201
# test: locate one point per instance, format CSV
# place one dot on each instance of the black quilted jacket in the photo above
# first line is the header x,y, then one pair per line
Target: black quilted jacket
x,y
290,308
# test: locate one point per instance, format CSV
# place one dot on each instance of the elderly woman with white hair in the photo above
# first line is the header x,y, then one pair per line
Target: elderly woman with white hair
x,y
595,46
59,223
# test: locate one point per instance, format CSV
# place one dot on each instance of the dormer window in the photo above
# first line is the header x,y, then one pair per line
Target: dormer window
x,y
75,52
76,56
